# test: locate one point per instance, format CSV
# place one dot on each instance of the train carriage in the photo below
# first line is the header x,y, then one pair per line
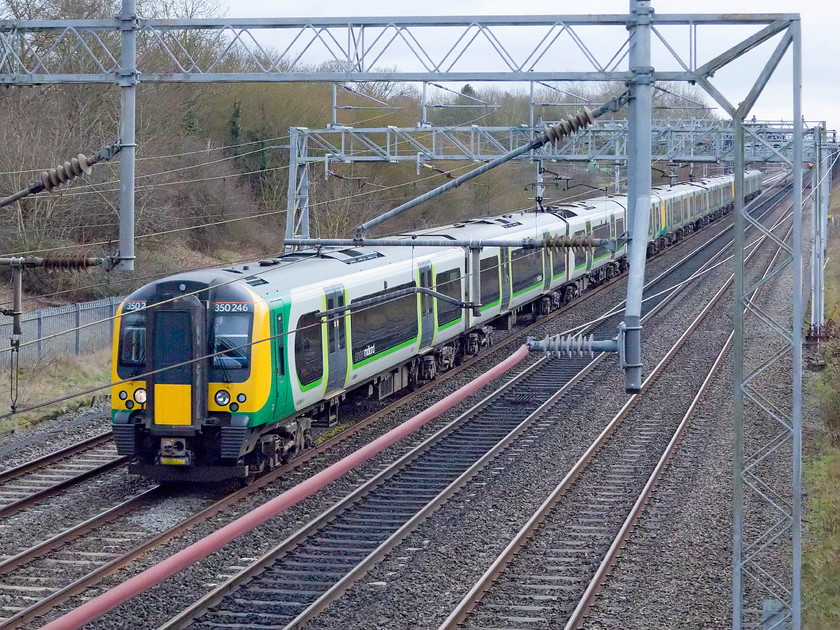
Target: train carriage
x,y
221,373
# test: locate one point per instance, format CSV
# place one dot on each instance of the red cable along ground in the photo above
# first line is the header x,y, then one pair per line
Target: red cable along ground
x,y
152,576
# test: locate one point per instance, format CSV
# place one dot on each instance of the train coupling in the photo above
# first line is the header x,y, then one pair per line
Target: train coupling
x,y
174,452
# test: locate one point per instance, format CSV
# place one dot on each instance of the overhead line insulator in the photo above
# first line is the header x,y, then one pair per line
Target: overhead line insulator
x,y
567,127
66,172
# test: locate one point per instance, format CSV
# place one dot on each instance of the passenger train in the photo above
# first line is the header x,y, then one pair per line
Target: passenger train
x,y
221,373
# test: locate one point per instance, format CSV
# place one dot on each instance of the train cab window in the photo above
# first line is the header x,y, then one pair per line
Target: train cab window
x,y
281,347
229,337
448,283
308,348
489,281
133,340
525,268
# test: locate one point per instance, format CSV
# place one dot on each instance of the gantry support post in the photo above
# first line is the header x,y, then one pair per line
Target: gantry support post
x,y
738,380
638,176
766,588
818,174
297,200
127,82
796,425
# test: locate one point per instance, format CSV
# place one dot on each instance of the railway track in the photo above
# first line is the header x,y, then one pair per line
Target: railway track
x,y
34,481
304,573
39,590
552,570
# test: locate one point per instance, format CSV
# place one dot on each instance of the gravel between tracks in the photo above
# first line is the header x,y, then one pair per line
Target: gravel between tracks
x,y
676,570
421,582
156,606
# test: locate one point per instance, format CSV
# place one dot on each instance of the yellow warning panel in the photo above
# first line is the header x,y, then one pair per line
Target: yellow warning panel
x,y
173,404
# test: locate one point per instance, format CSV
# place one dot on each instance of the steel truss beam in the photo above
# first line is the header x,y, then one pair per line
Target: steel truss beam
x,y
353,48
672,140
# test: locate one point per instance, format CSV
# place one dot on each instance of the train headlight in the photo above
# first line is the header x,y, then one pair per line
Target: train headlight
x,y
123,395
140,396
222,398
241,398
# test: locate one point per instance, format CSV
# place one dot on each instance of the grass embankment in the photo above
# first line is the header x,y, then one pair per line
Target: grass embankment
x,y
821,548
54,378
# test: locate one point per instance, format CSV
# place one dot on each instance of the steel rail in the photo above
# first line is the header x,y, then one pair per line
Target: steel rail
x,y
257,566
233,583
52,458
49,458
93,577
593,589
468,603
43,547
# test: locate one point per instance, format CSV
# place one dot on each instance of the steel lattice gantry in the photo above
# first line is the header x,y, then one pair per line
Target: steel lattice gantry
x,y
672,140
687,141
128,50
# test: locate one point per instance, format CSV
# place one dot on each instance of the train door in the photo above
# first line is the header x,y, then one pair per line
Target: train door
x,y
546,258
588,252
427,306
280,345
336,338
505,254
177,390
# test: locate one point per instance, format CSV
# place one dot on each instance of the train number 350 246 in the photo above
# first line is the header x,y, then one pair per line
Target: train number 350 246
x,y
231,307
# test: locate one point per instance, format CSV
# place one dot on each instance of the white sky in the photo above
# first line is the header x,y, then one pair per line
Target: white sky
x,y
820,28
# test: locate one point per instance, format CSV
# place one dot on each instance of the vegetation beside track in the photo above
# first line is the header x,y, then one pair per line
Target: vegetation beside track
x,y
54,378
821,545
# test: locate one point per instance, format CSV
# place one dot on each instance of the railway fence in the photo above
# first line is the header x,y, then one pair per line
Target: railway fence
x,y
71,329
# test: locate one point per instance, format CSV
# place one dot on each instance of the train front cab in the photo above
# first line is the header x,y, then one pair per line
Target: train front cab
x,y
193,361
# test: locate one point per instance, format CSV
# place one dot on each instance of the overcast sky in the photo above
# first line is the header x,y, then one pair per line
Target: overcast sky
x,y
820,26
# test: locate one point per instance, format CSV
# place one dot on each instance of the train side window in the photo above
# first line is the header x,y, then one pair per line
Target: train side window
x,y
448,283
281,347
526,268
309,348
385,325
601,231
489,281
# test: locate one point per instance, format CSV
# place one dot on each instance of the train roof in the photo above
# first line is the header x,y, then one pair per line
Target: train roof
x,y
271,277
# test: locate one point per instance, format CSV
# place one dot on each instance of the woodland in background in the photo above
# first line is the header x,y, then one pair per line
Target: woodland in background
x,y
212,160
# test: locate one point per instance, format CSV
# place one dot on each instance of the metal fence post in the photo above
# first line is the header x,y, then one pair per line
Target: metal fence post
x,y
78,329
40,332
